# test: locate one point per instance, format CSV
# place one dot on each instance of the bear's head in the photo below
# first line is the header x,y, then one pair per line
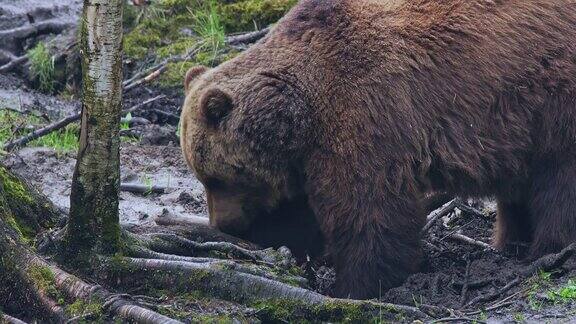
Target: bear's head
x,y
245,133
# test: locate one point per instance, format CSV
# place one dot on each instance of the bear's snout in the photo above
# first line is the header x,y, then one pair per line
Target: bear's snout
x,y
227,213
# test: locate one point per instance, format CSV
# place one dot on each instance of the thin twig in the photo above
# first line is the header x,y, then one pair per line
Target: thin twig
x,y
247,38
494,295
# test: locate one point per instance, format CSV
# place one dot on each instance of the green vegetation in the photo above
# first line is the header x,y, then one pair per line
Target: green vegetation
x,y
176,27
536,284
287,311
63,140
253,14
208,26
565,293
42,67
93,309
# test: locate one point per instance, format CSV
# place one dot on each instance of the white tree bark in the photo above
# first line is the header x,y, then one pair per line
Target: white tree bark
x,y
94,224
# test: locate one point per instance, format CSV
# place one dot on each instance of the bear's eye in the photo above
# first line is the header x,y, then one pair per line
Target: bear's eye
x,y
215,105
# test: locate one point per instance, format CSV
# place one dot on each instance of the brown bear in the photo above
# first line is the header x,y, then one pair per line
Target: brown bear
x,y
358,108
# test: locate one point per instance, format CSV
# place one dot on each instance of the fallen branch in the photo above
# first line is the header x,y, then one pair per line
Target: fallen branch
x,y
438,213
63,123
143,189
43,27
494,295
457,319
168,219
247,38
463,238
446,209
13,63
155,71
550,261
174,118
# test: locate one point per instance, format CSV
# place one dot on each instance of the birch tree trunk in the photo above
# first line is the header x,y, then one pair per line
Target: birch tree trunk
x,y
93,226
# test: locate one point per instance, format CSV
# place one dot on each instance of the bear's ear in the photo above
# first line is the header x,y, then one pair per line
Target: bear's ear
x,y
192,74
215,105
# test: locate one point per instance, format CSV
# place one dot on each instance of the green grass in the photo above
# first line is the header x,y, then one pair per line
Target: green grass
x,y
14,125
126,124
42,67
208,26
64,140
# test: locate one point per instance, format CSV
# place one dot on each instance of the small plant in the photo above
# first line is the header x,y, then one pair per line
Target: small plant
x,y
564,294
148,182
519,317
42,67
209,27
125,125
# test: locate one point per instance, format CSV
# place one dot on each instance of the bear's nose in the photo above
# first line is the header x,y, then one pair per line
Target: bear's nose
x,y
226,214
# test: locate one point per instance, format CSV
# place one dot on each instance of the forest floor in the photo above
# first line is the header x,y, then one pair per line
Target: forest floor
x,y
477,283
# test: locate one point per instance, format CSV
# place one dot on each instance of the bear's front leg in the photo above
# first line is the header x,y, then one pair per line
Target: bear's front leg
x,y
370,258
371,233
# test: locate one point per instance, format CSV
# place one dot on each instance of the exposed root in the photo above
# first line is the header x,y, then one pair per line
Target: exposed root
x,y
226,264
550,261
219,281
10,320
227,248
118,305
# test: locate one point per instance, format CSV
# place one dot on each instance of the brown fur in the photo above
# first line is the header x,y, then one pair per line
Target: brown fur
x,y
363,106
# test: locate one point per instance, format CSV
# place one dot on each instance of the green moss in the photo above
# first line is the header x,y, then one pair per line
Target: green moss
x,y
80,307
283,310
140,41
251,14
45,281
13,188
174,75
178,48
173,27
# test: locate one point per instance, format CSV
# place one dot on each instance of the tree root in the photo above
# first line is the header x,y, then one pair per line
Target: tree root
x,y
225,264
232,285
262,256
10,320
